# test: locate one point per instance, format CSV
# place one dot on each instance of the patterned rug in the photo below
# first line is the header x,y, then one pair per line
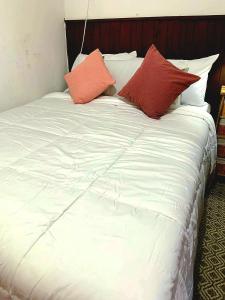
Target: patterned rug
x,y
210,260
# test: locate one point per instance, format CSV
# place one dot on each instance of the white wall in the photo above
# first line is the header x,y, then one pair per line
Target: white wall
x,y
32,50
76,9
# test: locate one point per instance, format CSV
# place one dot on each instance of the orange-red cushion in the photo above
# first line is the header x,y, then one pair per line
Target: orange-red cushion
x,y
89,79
156,84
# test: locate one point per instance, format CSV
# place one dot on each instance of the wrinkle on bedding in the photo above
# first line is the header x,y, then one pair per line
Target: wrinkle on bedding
x,y
99,201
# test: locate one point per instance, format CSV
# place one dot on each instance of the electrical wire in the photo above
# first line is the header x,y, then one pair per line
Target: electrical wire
x,y
85,26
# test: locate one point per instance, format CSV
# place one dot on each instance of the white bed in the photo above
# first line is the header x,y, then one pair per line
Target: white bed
x,y
100,202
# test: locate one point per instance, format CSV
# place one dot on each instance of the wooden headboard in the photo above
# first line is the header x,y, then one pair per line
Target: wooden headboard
x,y
175,37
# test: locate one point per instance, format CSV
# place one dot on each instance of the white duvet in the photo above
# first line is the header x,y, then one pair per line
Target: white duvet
x,y
100,202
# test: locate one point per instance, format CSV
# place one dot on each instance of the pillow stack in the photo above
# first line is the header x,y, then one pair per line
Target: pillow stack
x,y
152,83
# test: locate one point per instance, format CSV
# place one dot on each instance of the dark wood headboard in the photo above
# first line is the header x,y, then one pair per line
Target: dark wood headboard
x,y
175,37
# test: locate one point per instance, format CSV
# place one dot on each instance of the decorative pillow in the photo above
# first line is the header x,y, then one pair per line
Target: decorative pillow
x,y
90,79
156,84
119,56
195,94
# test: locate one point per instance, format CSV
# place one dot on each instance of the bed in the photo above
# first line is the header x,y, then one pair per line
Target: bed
x,y
98,201
97,206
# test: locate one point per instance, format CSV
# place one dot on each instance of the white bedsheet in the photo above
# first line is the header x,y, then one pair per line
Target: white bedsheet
x,y
100,202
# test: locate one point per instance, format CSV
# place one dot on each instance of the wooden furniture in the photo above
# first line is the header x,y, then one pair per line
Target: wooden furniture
x,y
175,37
220,168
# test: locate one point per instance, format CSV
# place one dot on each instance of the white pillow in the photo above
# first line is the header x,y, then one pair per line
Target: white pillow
x,y
195,94
119,56
176,103
121,71
180,64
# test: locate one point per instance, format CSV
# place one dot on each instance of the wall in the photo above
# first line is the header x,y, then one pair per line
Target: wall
x,y
32,50
76,9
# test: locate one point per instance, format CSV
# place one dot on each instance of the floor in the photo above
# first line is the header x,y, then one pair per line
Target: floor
x,y
210,260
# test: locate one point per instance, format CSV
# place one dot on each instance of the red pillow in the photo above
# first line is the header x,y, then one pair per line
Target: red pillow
x,y
89,79
156,84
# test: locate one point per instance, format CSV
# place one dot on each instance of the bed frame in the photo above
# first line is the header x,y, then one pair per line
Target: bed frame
x,y
176,37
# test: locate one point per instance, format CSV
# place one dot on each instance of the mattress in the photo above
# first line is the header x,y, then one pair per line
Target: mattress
x,y
98,201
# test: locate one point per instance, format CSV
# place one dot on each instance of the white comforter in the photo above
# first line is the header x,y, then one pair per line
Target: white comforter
x,y
100,202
